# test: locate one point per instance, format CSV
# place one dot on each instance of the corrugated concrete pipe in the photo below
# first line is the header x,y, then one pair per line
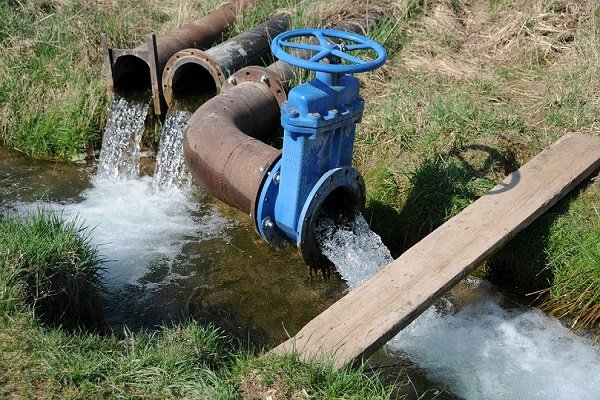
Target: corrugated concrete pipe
x,y
222,145
192,71
142,67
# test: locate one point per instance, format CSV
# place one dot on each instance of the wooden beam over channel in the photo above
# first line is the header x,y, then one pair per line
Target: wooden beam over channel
x,y
367,317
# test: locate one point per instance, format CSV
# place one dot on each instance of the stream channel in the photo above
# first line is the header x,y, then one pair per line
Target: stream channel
x,y
175,254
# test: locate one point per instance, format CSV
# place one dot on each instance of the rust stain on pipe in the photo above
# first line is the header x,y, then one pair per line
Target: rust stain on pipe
x,y
280,73
191,71
221,145
143,66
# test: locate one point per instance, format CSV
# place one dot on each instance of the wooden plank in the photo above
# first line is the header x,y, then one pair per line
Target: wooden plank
x,y
367,317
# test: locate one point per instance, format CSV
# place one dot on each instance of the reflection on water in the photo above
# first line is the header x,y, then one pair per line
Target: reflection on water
x,y
24,179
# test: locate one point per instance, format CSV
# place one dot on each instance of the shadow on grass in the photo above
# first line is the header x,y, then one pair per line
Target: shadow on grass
x,y
523,263
440,188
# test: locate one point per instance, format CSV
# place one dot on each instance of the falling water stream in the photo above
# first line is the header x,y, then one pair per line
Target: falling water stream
x,y
474,342
171,170
120,152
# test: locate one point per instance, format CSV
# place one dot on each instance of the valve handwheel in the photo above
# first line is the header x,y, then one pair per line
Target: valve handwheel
x,y
328,47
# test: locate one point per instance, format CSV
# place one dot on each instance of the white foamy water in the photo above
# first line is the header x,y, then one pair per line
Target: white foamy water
x,y
476,346
171,170
138,228
120,152
355,250
485,350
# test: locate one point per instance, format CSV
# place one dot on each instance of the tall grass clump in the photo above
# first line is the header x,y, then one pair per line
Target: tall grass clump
x,y
574,259
50,264
287,377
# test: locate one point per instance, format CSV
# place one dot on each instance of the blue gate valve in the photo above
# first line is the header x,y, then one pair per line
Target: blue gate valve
x,y
319,120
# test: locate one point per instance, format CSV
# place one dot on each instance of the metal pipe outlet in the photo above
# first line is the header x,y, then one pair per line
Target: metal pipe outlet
x,y
142,67
221,144
192,72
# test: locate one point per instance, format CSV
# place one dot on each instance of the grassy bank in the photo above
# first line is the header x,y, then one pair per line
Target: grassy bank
x,y
52,94
52,345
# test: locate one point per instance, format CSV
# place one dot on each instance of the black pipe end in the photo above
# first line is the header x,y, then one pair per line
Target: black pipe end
x,y
340,194
191,81
131,74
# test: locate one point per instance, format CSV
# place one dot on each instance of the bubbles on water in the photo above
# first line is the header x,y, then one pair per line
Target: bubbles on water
x,y
355,250
120,152
487,351
171,170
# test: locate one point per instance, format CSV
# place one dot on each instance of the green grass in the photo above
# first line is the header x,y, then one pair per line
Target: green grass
x,y
453,113
182,361
52,94
49,281
574,258
51,264
450,114
288,377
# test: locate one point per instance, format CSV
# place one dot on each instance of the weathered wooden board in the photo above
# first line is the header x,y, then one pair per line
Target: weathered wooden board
x,y
366,318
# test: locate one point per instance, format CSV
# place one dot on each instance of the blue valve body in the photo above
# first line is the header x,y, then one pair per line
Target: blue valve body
x,y
319,122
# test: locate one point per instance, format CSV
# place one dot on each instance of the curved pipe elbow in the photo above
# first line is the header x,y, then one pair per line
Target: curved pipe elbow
x,y
222,147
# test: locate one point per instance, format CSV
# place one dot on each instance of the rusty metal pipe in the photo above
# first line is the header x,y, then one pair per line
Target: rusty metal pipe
x,y
191,71
279,74
142,67
221,145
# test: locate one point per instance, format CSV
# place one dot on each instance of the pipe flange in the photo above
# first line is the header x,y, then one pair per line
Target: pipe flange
x,y
261,75
264,219
351,182
187,56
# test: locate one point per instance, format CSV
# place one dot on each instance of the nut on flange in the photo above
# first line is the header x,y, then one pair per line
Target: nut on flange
x,y
258,75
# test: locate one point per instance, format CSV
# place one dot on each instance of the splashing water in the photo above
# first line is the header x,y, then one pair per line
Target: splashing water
x,y
120,152
138,229
482,349
355,250
171,170
488,350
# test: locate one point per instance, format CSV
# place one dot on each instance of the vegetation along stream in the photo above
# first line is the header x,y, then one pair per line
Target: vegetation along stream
x,y
471,91
175,253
